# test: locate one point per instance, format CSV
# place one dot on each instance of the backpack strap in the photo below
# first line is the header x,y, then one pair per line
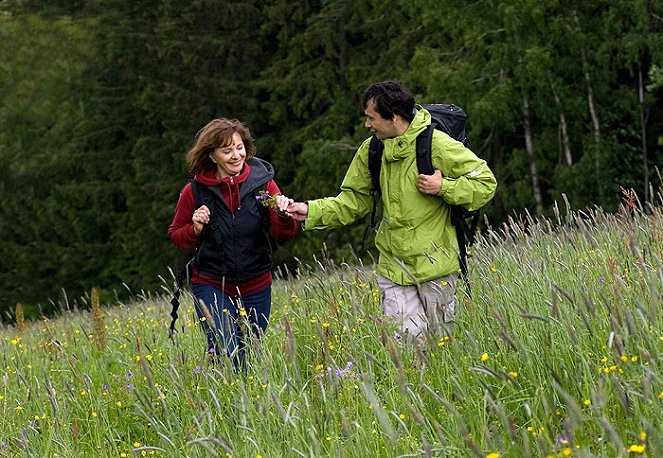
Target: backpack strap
x,y
184,274
425,151
464,232
375,149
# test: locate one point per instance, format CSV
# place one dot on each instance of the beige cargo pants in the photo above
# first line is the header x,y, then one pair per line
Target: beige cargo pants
x,y
418,309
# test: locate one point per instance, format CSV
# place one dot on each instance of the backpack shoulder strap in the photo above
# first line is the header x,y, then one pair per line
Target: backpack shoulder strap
x,y
425,151
375,161
375,149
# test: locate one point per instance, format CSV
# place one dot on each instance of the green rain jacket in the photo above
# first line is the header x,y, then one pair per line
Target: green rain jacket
x,y
415,239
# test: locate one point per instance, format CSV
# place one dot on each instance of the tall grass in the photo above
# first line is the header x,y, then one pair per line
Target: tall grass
x,y
556,354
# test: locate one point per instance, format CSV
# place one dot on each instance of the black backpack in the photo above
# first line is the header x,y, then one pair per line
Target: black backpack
x,y
450,119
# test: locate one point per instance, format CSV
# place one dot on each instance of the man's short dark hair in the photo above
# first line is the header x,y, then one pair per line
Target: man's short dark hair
x,y
390,98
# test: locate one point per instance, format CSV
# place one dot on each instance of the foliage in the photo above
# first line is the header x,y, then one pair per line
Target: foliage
x,y
557,354
101,99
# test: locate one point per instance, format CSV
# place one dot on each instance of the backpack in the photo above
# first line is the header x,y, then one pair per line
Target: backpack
x,y
450,119
201,197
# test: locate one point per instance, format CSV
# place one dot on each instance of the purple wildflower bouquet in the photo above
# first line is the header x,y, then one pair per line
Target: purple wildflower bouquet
x,y
266,200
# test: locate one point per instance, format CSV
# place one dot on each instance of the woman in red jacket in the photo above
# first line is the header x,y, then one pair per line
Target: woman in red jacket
x,y
231,212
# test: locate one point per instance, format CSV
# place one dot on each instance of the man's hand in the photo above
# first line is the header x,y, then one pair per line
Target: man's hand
x,y
431,184
298,211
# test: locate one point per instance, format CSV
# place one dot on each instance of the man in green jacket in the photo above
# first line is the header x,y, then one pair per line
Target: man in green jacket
x,y
418,261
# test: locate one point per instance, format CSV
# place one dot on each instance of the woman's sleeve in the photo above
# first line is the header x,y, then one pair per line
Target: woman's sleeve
x,y
282,227
181,231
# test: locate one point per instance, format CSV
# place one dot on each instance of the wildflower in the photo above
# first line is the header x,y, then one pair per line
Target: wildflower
x,y
266,200
563,440
637,449
587,402
484,357
493,455
513,374
566,452
136,444
643,436
634,358
601,280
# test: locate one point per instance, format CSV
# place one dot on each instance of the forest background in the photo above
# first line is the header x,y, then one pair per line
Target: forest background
x,y
100,99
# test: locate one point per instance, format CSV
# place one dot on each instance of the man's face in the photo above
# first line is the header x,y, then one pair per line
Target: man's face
x,y
380,127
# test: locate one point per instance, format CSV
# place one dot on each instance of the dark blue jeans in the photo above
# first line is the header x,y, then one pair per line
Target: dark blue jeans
x,y
234,318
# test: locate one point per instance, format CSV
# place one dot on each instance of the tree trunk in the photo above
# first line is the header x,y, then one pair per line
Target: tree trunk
x,y
563,130
595,123
529,148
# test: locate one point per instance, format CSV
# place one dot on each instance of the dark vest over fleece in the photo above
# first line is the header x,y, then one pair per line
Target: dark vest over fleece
x,y
236,245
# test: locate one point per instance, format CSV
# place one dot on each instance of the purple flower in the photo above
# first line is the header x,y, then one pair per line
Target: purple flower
x,y
601,280
564,440
343,372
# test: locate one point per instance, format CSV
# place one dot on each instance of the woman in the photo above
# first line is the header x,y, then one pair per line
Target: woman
x,y
230,211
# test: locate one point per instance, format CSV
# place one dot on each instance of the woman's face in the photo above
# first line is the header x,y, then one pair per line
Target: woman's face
x,y
229,159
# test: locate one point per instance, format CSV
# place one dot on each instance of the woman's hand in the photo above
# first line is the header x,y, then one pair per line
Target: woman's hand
x,y
199,218
281,205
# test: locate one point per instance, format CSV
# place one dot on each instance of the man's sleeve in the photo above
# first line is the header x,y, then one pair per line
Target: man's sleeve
x,y
353,202
467,181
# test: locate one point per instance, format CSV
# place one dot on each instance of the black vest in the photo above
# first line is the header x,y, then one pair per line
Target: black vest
x,y
237,246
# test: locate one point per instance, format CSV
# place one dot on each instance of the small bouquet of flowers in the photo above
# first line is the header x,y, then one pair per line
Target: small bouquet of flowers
x,y
266,200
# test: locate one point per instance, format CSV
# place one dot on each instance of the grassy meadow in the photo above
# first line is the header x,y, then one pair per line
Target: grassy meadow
x,y
557,354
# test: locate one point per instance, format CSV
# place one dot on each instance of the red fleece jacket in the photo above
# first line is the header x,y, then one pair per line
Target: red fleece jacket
x,y
182,234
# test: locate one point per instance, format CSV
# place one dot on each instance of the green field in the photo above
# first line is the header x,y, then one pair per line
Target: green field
x,y
557,354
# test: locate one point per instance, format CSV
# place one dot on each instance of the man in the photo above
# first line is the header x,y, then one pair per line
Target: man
x,y
418,262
